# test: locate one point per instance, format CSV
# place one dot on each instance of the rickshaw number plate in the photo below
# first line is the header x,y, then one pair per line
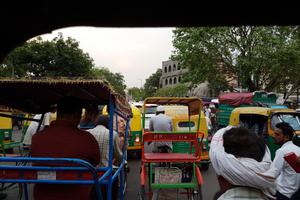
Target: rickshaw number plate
x,y
46,175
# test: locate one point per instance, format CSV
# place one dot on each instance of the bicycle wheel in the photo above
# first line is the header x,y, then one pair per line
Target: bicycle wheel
x,y
197,193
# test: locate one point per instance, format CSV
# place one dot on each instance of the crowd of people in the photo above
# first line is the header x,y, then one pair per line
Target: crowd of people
x,y
241,159
244,167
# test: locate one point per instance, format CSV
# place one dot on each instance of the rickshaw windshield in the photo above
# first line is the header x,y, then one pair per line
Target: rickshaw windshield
x,y
292,119
151,109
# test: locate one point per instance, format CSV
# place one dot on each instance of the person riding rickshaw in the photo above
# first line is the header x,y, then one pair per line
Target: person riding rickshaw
x,y
35,96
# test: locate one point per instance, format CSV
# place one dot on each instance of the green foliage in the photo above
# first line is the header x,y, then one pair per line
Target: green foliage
x,y
116,80
152,83
179,90
136,93
38,58
57,58
255,56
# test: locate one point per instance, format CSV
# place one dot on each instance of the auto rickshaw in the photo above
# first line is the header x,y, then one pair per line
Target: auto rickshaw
x,y
35,96
262,121
180,119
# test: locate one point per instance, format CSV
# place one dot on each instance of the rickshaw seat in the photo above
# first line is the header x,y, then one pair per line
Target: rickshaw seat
x,y
191,137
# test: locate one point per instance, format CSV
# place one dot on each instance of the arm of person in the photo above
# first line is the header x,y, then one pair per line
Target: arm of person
x,y
151,125
276,166
46,121
118,154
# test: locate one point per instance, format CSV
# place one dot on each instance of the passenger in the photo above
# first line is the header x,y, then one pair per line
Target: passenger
x,y
90,115
238,156
63,139
101,133
288,181
32,128
161,122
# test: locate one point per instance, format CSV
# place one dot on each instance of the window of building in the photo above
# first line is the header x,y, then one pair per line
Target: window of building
x,y
166,81
178,67
170,81
166,69
179,79
174,67
175,80
169,68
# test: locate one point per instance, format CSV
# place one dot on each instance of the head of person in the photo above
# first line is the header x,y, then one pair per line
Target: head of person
x,y
283,133
241,142
53,108
103,120
70,109
91,113
160,110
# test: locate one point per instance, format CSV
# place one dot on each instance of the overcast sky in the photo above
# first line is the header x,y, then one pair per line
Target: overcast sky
x,y
134,52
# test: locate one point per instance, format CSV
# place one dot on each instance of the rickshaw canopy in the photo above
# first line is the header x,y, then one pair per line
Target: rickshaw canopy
x,y
35,96
194,103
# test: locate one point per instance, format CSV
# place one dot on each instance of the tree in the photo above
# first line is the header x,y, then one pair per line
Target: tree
x,y
38,58
116,80
152,83
136,93
255,56
179,90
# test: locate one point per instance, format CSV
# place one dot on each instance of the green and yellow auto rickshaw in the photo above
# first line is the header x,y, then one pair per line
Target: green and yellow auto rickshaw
x,y
262,121
135,137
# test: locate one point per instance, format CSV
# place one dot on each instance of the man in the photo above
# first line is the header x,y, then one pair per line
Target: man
x,y
32,128
238,157
161,122
64,140
288,181
101,134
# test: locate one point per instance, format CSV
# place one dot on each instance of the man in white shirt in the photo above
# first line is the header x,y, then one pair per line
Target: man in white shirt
x,y
288,181
161,122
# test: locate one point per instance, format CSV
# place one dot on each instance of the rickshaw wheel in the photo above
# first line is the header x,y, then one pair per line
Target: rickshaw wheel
x,y
204,166
142,193
197,193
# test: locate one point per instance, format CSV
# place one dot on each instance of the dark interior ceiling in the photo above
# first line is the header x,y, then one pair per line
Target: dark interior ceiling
x,y
22,20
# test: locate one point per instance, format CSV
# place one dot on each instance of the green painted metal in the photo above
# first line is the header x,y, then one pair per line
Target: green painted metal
x,y
132,139
272,146
191,184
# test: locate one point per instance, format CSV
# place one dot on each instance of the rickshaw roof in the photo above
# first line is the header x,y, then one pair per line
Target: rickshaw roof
x,y
252,110
282,110
194,103
35,96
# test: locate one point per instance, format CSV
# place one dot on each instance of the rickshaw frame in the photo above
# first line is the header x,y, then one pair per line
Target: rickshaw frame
x,y
49,92
194,107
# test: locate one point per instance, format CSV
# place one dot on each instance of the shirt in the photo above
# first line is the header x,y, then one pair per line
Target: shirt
x,y
160,122
64,140
32,128
243,193
101,134
288,181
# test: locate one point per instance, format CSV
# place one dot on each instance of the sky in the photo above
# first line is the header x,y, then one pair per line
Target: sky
x,y
136,53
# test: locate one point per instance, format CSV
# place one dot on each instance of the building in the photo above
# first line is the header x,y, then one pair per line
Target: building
x,y
172,73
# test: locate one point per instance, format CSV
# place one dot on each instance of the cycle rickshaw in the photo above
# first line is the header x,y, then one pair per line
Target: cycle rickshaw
x,y
35,96
178,169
